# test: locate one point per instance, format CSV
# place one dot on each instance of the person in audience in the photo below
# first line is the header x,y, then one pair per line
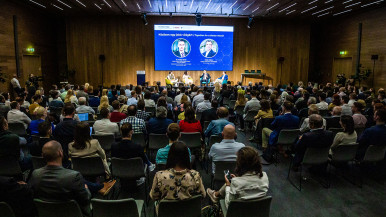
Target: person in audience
x,y
180,110
240,102
303,113
249,181
41,115
105,126
347,136
333,121
83,108
148,101
217,91
82,93
178,98
264,112
178,181
127,149
24,105
93,99
64,93
160,123
322,105
217,126
70,97
37,99
85,146
209,114
225,150
64,131
317,138
190,124
105,104
284,121
375,135
359,119
139,125
16,116
173,133
204,105
346,108
253,104
123,104
353,98
56,100
141,113
45,132
133,99
306,123
198,98
335,102
116,116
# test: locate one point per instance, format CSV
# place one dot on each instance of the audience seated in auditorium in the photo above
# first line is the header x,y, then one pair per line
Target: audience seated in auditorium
x,y
375,135
346,108
359,119
347,136
322,105
209,114
227,148
306,123
82,93
352,98
133,99
336,101
141,113
253,104
83,108
303,113
36,99
249,181
173,133
105,126
64,131
148,101
93,99
70,97
216,127
178,181
197,99
240,102
205,104
138,124
333,121
317,138
190,124
104,103
64,93
45,132
177,99
85,146
160,123
169,107
41,115
116,116
56,101
16,116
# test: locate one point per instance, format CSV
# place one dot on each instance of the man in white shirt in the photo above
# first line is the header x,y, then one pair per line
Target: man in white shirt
x,y
16,116
346,109
352,97
15,84
204,105
198,98
105,126
322,105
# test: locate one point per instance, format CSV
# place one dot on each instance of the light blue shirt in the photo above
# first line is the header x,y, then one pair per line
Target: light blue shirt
x,y
216,127
224,151
162,155
132,101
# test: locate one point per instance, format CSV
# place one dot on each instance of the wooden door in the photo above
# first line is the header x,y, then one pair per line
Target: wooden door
x,y
342,66
31,64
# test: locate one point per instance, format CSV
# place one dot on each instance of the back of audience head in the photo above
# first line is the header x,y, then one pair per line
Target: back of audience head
x,y
173,132
316,121
105,113
126,130
254,93
161,112
52,152
162,102
45,129
35,98
190,115
178,156
322,97
207,96
222,112
265,105
82,136
147,95
68,109
14,105
345,99
214,103
336,99
41,113
288,106
311,100
380,115
229,132
248,161
313,109
184,99
357,107
82,100
115,105
336,111
3,124
132,110
347,123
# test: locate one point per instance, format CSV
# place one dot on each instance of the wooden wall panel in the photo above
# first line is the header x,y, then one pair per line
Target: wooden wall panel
x,y
34,29
342,35
129,46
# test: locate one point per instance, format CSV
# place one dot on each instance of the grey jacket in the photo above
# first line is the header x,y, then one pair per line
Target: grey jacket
x,y
16,116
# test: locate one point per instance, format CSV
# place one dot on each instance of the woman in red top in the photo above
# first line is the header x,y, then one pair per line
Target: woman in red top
x,y
190,124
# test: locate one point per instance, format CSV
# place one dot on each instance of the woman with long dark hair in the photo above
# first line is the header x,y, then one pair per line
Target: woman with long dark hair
x,y
190,124
85,146
178,181
347,136
248,182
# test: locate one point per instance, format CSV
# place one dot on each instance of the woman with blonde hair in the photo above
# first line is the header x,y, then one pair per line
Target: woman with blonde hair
x,y
70,97
241,101
105,104
105,92
86,85
217,90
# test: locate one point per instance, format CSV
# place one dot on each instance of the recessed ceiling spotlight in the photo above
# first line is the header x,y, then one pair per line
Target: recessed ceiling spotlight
x,y
107,3
273,6
287,7
377,2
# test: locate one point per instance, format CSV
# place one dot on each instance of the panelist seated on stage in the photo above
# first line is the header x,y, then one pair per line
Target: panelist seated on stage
x,y
171,78
187,79
204,78
223,79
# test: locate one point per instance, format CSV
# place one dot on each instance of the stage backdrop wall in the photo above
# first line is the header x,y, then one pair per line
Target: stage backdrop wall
x,y
128,46
342,35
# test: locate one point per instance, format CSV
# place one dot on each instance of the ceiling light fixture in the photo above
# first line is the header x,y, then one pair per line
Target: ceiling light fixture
x,y
233,4
149,2
64,4
107,3
312,2
81,3
347,1
377,2
57,7
323,14
218,7
273,6
124,3
139,7
248,6
166,3
290,12
352,5
255,10
308,9
342,12
38,4
287,7
323,10
97,6
208,4
328,1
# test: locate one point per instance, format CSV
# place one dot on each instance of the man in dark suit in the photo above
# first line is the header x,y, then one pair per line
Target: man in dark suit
x,y
285,121
333,121
375,135
318,138
204,78
209,114
181,49
208,49
55,183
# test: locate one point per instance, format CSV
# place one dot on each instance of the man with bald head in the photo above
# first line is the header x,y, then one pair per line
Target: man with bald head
x,y
216,126
316,138
333,121
83,107
55,183
227,148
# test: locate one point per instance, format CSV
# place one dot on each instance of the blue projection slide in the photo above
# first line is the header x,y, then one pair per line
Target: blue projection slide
x,y
181,47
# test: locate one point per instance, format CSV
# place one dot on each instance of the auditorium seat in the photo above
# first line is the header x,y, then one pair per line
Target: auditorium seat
x,y
117,208
257,208
174,208
58,209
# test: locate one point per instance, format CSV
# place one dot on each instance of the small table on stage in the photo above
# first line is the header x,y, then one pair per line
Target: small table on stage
x,y
255,75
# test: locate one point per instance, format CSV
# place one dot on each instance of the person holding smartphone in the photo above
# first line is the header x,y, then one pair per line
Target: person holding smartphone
x,y
249,181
